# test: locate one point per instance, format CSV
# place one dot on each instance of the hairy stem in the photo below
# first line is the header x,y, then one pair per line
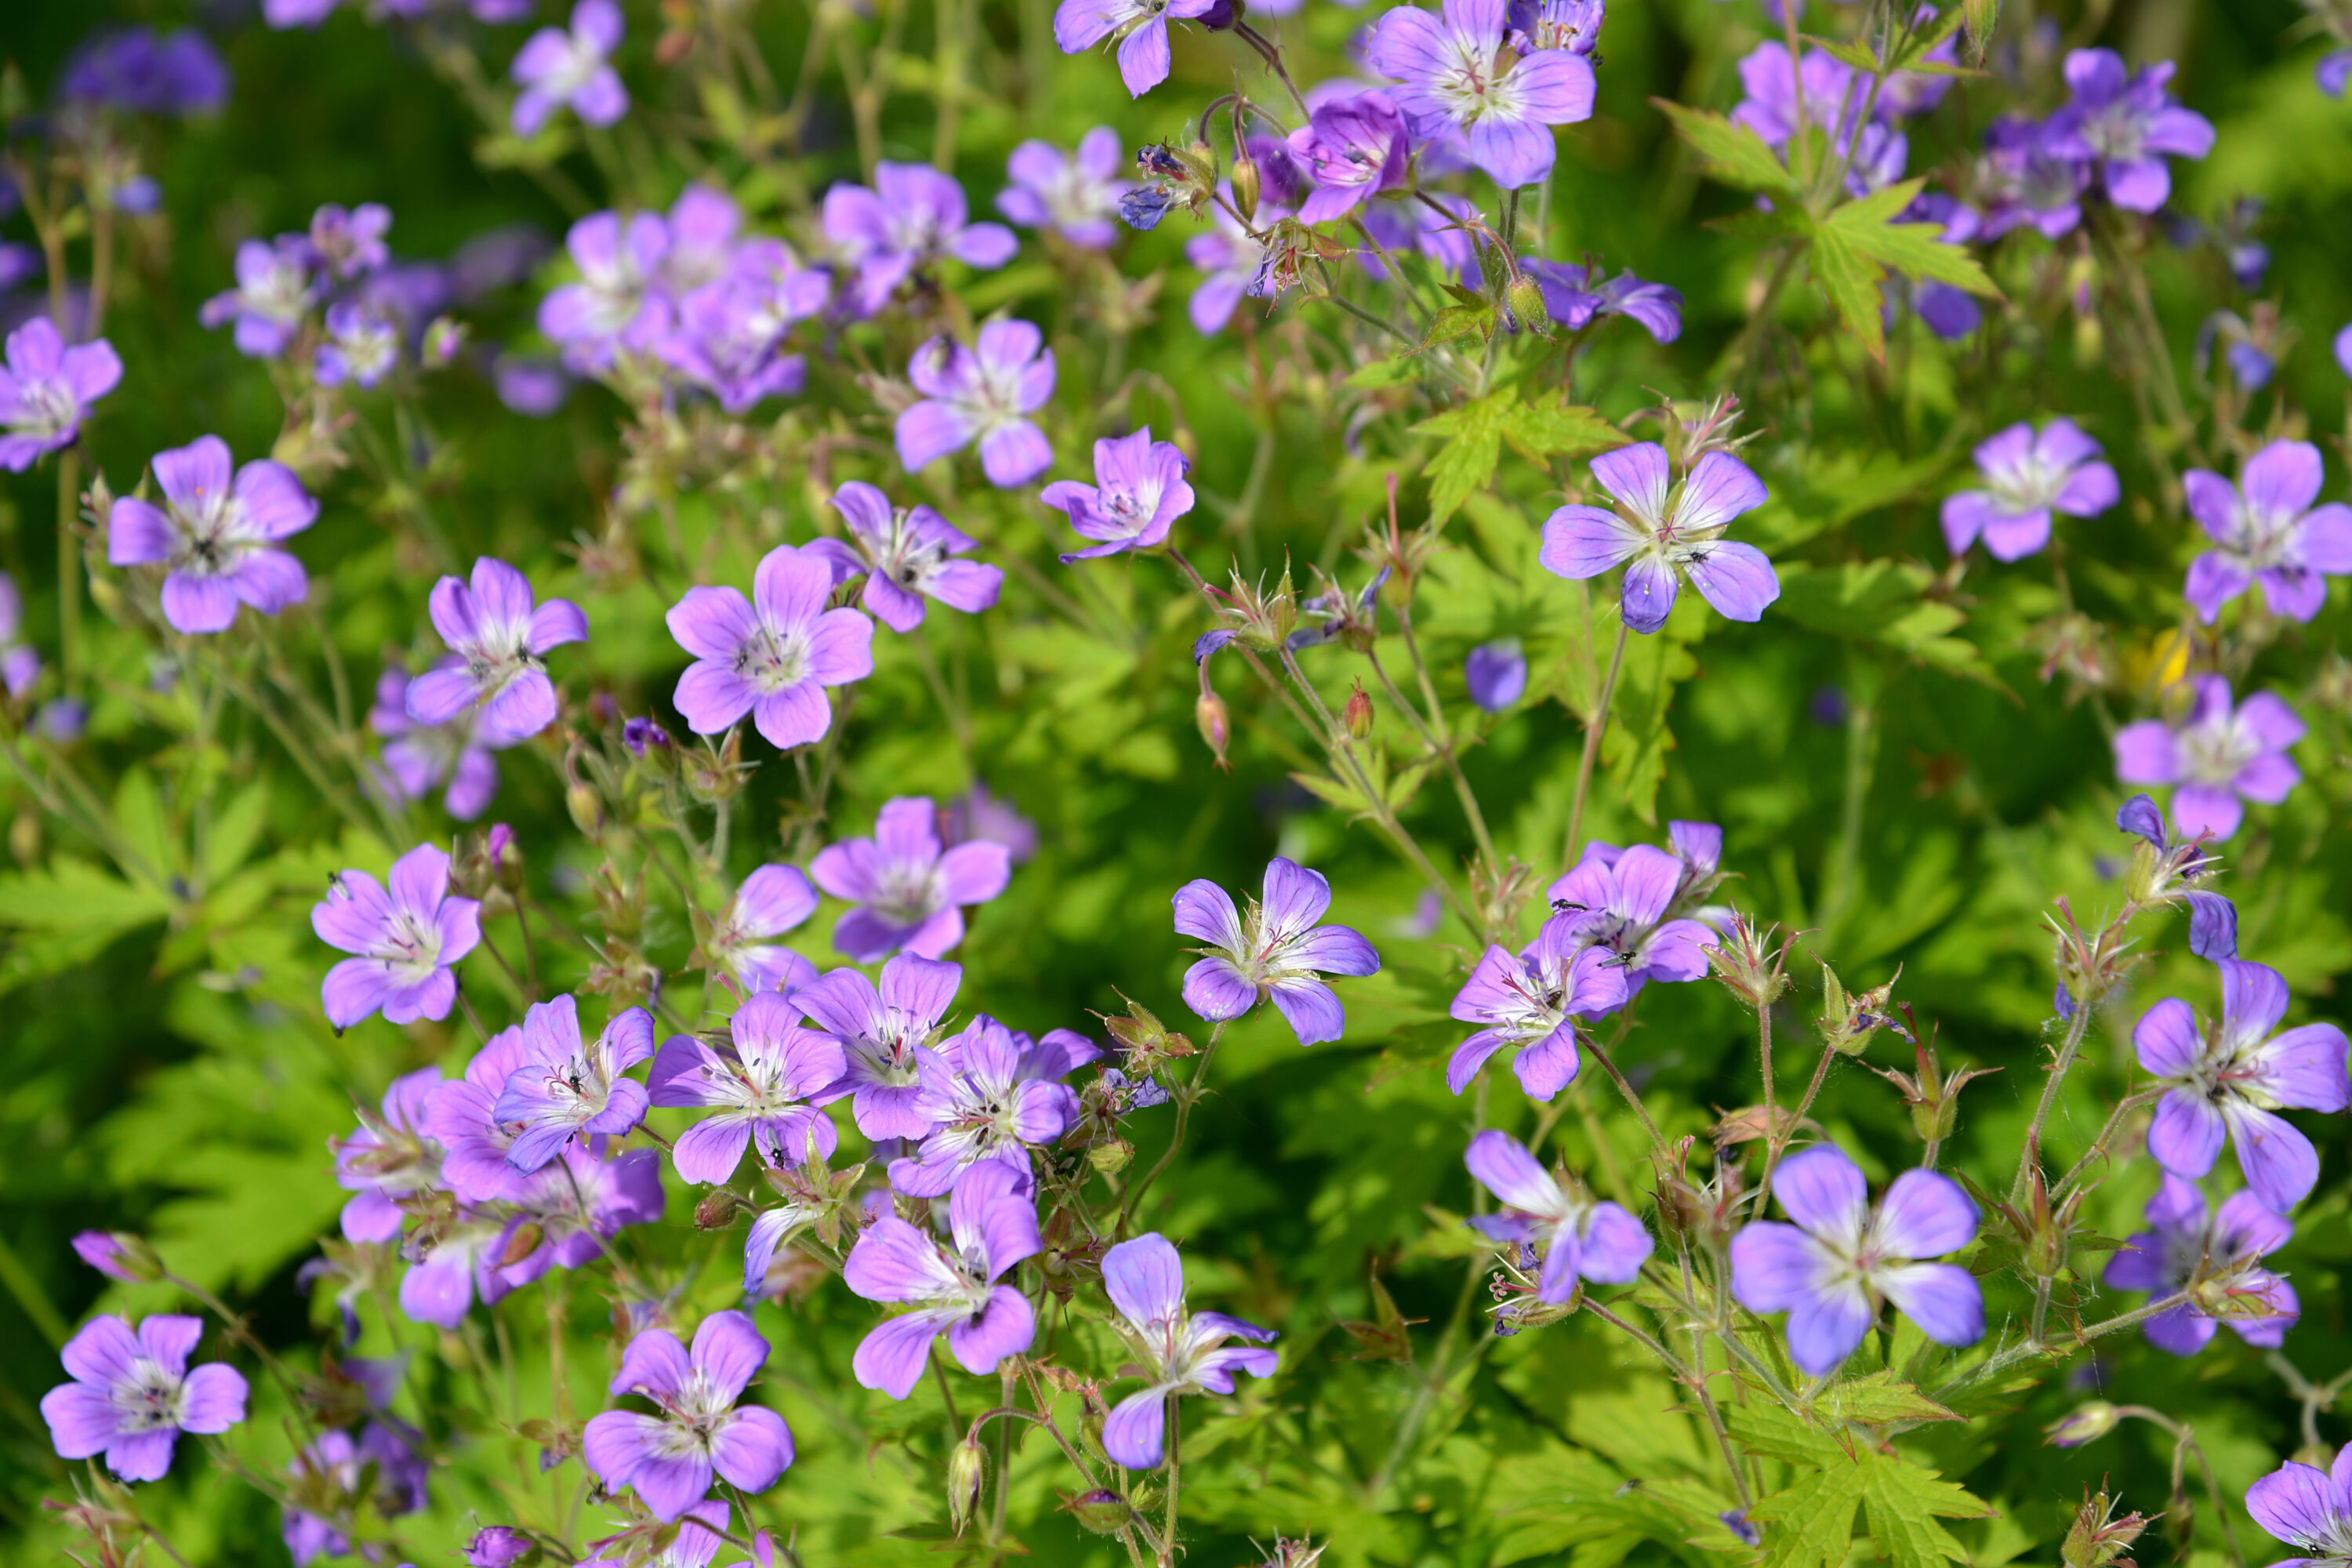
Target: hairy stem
x,y
1592,732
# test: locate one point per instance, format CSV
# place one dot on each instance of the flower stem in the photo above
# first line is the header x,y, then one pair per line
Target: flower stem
x,y
1592,731
1185,1096
70,646
2029,1158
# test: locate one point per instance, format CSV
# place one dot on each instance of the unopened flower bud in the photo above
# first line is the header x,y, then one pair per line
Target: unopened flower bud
x,y
1101,1511
714,774
967,1472
1357,714
718,1209
443,339
1245,183
1849,1019
1216,725
118,1255
587,808
2097,1538
501,1546
1523,297
2085,1423
1111,1155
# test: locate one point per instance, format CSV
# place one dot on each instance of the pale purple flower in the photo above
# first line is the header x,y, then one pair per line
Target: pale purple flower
x,y
1276,950
885,1036
1497,674
668,1459
132,1394
333,1462
405,939
109,1252
2265,528
1830,1270
2217,755
500,639
274,292
1141,26
702,226
2230,1078
992,1227
733,332
20,666
912,217
146,72
571,67
215,535
772,901
2028,477
1435,227
389,1158
419,757
462,1118
760,1087
1571,25
503,1546
1353,148
575,1205
985,392
566,1087
1177,1352
1661,533
1621,899
2179,866
1229,262
2125,123
2307,1508
348,242
1578,1239
989,1094
912,893
908,555
46,390
1454,76
771,656
533,388
614,306
2333,71
1073,195
1577,296
362,346
690,1542
1530,1001
1831,93
459,1263
2222,1255
1140,492
978,814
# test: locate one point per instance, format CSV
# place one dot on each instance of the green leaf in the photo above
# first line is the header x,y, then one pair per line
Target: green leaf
x,y
1537,431
1732,153
1781,1433
1811,1524
1915,249
1905,1502
1882,602
1853,53
1878,1399
1851,278
1473,445
1457,321
1401,371
1633,747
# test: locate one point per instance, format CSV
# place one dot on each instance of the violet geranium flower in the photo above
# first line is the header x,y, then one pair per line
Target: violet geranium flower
x,y
1617,900
911,892
273,293
1661,534
732,333
2220,1255
405,938
771,656
1075,195
1830,1269
565,1086
992,1221
1140,492
216,535
1530,1002
389,1158
2307,1508
668,1459
1580,1238
1456,77
2230,1078
1229,263
885,1038
571,67
1577,296
1180,1352
990,1095
760,1087
2125,123
1354,148
2265,528
772,901
2216,755
132,1394
2179,866
1276,951
1496,675
46,389
499,639
985,392
575,1203
908,554
1141,26
612,305
913,216
462,1118
2028,477
419,757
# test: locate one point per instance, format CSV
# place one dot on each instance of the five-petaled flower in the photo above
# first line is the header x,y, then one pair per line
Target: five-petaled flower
x,y
132,1394
908,554
1180,1352
760,1085
216,535
389,1158
1355,148
911,892
2125,123
953,1286
884,1039
668,1459
274,292
1579,1238
2028,477
2216,1257
406,938
500,641
1140,26
913,216
566,1086
1619,901
1075,195
741,943
983,392
1662,534
2265,529
1531,1002
990,1095
613,306
417,757
46,388
2216,754
771,656
1140,492
2308,1508
1456,78
572,68
1276,950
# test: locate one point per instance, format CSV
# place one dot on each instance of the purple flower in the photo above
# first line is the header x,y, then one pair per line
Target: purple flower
x,y
1276,950
2230,1078
2177,866
985,394
1140,492
908,555
215,535
499,638
912,217
988,1094
1663,534
334,1464
144,72
1436,227
361,347
1354,148
110,1252
761,1085
1497,674
885,1039
643,735
533,388
613,307
2266,528
1580,1239
2028,477
565,1087
273,293
1830,1269
668,1458
1530,1001
2307,1508
349,242
1074,196
691,1542
993,1223
1619,901
388,1159
1177,1352
559,68
501,1546
978,814
1571,25
462,1119
2333,71
1140,26
701,226
1576,296
772,901
771,656
2123,122
46,389
406,940
2216,755
2221,1255
732,332
460,1262
132,1394
20,666
417,757
911,892
1229,262
1831,95
2025,182
1456,77
575,1203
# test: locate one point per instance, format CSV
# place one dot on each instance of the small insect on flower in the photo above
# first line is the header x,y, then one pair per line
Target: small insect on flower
x,y
565,1087
216,535
1661,533
1276,951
